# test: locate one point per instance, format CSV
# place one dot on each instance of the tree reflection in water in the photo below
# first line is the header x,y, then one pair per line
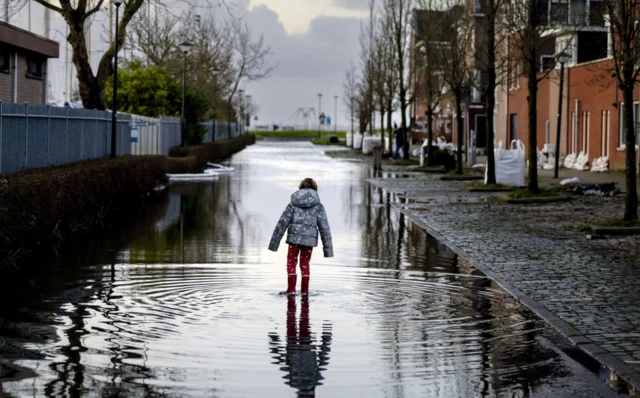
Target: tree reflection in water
x,y
301,357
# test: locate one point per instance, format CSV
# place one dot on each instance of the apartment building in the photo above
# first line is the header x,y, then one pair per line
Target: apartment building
x,y
23,65
591,105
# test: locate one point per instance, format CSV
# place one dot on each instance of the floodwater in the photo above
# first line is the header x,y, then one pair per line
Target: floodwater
x,y
183,301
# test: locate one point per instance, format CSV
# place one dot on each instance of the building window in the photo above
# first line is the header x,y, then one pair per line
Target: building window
x,y
597,11
605,131
5,61
622,139
34,68
586,127
559,12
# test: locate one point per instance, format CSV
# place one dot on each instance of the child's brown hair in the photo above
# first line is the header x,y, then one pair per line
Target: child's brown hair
x,y
308,183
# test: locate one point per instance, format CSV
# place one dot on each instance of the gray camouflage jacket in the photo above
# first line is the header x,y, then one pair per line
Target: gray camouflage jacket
x,y
303,218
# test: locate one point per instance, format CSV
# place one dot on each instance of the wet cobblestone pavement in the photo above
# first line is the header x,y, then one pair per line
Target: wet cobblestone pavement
x,y
585,288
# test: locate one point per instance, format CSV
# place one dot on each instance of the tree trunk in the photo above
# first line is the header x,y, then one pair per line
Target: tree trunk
x,y
90,87
631,199
490,91
382,125
430,134
389,128
459,129
407,135
532,113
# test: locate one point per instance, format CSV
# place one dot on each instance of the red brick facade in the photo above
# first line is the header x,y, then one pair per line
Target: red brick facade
x,y
591,112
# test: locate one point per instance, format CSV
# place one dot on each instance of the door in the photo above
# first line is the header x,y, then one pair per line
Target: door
x,y
481,131
513,127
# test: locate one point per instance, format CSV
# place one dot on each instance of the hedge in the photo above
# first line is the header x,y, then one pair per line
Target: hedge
x,y
212,151
43,209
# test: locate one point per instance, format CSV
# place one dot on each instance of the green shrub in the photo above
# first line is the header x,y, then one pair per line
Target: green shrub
x,y
443,158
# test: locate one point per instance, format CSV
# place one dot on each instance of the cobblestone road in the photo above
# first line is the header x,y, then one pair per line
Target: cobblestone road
x,y
587,289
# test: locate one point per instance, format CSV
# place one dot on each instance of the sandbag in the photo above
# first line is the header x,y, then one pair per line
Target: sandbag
x,y
510,165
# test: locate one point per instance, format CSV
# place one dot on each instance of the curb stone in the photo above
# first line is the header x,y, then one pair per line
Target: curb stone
x,y
592,349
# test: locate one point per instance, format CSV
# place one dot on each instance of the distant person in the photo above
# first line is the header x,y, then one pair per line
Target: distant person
x,y
302,218
401,136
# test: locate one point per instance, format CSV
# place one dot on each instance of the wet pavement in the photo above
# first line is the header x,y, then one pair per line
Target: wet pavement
x,y
182,301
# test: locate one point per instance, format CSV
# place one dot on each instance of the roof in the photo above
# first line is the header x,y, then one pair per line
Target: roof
x,y
20,38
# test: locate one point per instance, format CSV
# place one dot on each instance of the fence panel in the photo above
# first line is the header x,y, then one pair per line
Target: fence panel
x,y
37,119
14,145
38,136
57,135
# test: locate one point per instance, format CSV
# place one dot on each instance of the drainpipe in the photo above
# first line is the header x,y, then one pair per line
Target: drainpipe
x,y
15,77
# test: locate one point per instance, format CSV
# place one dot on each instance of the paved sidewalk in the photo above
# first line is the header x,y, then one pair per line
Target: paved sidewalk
x,y
587,289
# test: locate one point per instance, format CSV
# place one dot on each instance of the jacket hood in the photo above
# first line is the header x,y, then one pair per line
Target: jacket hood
x,y
305,198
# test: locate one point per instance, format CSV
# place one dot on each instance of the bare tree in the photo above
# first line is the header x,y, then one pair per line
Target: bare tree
x,y
350,87
76,14
527,23
625,51
397,16
249,58
454,56
429,46
367,75
489,55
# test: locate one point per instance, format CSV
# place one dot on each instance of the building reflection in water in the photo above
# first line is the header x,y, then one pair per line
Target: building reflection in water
x,y
301,356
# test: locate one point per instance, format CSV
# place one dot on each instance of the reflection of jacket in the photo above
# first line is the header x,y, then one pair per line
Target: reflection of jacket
x,y
303,218
302,358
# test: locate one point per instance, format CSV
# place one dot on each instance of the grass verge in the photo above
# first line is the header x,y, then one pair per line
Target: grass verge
x,y
298,134
522,193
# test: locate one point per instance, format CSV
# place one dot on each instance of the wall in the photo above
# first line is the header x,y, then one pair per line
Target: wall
x,y
30,90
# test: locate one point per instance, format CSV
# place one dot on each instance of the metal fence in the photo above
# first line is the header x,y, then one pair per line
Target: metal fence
x,y
222,130
38,135
151,136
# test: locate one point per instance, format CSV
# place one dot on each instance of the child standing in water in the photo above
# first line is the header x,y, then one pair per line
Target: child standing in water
x,y
302,218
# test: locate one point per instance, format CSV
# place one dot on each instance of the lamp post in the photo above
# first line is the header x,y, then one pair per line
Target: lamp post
x,y
238,119
248,117
335,115
185,46
114,119
215,72
561,57
320,113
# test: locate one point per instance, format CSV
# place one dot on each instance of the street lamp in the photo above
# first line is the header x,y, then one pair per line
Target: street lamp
x,y
248,117
215,70
185,46
114,119
561,57
335,115
320,113
241,92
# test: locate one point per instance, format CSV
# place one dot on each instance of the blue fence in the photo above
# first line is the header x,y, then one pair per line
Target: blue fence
x,y
37,135
34,136
218,131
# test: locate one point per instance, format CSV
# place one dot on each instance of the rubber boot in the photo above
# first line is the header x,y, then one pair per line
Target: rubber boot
x,y
291,284
305,285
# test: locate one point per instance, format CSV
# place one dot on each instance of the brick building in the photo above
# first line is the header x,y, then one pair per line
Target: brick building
x,y
23,65
591,104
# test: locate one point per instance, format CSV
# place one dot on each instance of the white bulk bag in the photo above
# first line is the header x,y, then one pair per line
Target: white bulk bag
x,y
349,139
357,141
510,165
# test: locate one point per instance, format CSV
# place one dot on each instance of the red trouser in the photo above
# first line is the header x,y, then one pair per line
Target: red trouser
x,y
292,259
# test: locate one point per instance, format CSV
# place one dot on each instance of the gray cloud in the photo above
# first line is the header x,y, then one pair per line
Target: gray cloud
x,y
308,63
352,4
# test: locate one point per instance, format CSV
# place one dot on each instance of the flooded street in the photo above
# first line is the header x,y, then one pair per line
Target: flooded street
x,y
183,301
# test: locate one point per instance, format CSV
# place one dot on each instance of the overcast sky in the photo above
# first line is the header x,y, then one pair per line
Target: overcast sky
x,y
312,42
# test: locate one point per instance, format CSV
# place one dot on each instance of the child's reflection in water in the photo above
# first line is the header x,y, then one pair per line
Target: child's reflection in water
x,y
303,358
